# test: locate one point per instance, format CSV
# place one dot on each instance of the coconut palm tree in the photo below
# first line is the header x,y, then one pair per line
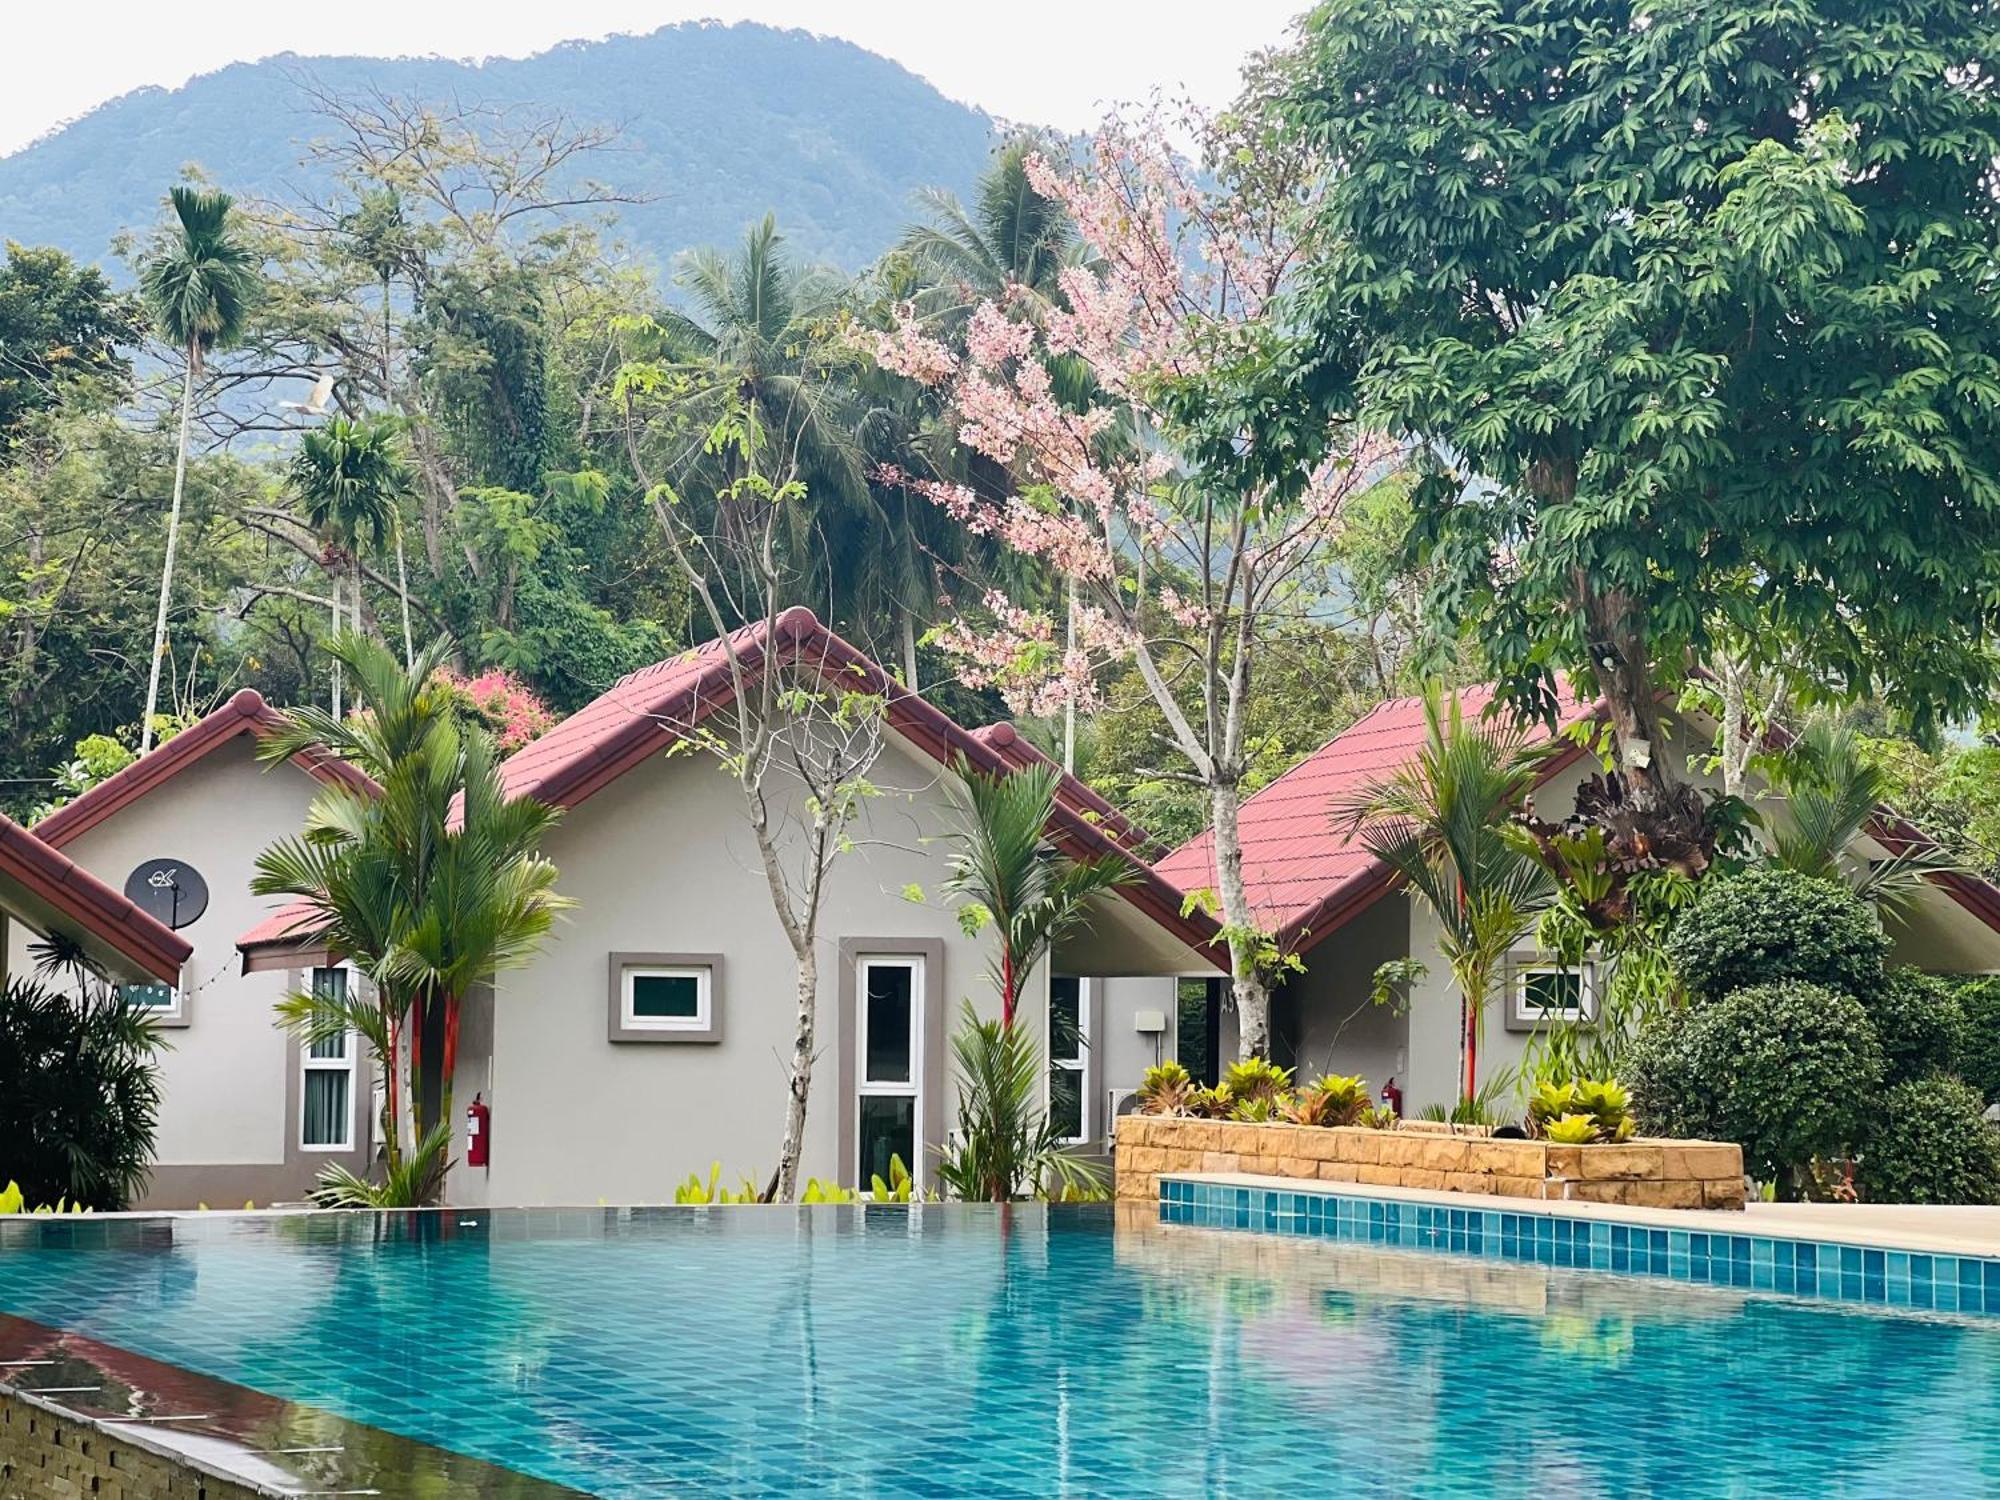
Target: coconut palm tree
x,y
1010,240
762,333
350,476
198,288
430,885
1437,821
1006,873
1834,795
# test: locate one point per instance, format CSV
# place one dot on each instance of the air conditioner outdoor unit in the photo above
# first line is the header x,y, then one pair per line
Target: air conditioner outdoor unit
x,y
1118,1102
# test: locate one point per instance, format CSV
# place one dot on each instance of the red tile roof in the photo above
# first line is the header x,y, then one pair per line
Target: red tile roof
x,y
245,713
649,710
1306,877
33,874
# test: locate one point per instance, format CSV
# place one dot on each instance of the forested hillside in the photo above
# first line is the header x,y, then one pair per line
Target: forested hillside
x,y
716,126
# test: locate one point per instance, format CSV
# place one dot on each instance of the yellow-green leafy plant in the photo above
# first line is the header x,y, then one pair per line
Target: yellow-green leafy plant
x,y
1605,1102
1379,1117
13,1201
694,1190
1212,1104
1571,1130
1256,1082
1168,1089
898,1189
1261,1109
827,1192
1331,1099
1548,1101
1610,1104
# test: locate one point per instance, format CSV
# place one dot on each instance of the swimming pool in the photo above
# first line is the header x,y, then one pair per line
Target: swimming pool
x,y
1027,1352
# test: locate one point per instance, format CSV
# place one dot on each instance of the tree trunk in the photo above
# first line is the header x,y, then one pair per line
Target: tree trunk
x,y
909,651
167,569
335,580
799,1086
1253,997
403,593
1616,632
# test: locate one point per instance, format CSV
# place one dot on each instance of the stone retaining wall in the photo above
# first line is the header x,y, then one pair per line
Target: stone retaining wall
x,y
44,1456
1637,1173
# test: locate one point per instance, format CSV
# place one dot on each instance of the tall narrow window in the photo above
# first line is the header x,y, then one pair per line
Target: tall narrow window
x,y
888,1110
1069,1054
326,1105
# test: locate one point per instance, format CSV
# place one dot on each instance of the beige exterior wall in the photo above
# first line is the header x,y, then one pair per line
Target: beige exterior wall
x,y
662,861
228,1126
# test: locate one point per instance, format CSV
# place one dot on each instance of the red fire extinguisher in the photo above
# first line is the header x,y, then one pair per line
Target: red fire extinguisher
x,y
1391,1096
478,1131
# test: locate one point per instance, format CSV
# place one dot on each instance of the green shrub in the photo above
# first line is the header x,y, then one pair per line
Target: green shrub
x,y
1764,926
1979,1036
1918,1020
1928,1143
79,1094
1788,1071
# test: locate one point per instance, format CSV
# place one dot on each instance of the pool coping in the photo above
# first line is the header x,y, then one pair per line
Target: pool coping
x,y
1759,1220
1735,1249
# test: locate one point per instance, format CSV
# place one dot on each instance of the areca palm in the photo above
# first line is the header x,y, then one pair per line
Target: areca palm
x,y
198,288
1005,872
429,886
351,476
1834,797
1437,822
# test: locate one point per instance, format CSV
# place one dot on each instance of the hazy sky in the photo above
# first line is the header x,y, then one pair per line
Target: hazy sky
x,y
1043,61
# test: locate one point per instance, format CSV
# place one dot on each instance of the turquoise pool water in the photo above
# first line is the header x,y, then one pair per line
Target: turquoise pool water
x,y
960,1350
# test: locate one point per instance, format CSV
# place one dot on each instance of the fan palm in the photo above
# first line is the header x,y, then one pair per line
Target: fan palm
x,y
351,476
1005,872
1834,797
431,885
198,288
1437,821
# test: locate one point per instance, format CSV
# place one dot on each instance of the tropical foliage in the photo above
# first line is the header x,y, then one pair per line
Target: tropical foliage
x,y
1007,874
79,1091
1006,1146
1439,821
429,884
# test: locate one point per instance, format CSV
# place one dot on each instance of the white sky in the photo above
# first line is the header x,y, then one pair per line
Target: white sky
x,y
1039,61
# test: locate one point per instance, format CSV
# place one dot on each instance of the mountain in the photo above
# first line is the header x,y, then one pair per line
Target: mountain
x,y
717,125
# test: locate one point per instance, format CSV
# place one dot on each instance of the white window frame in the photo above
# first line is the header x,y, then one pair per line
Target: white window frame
x,y
703,1018
166,1015
1522,1017
913,1088
1080,1064
345,1063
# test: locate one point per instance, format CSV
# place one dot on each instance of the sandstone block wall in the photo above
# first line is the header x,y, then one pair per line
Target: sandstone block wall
x,y
47,1457
1637,1173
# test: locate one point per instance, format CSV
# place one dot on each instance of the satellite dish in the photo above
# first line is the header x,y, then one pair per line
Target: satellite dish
x,y
168,890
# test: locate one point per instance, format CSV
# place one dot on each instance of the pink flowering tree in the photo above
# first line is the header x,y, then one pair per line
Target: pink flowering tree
x,y
507,706
1188,510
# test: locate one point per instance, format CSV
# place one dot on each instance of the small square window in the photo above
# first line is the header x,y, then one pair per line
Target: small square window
x,y
161,1002
1543,993
664,997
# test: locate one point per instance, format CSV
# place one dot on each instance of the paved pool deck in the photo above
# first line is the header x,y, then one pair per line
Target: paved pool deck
x,y
1950,1230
